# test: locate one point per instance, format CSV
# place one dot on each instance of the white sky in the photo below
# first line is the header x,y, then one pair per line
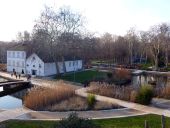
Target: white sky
x,y
113,16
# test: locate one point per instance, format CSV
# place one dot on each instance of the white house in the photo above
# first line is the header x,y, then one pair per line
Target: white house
x,y
16,61
39,65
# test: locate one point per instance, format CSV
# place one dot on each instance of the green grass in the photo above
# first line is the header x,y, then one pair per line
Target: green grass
x,y
80,77
146,66
154,121
101,62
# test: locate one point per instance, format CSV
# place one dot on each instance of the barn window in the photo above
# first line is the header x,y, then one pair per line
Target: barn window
x,y
33,65
39,65
27,65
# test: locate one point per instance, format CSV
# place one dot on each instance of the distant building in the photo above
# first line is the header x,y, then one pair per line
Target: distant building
x,y
25,63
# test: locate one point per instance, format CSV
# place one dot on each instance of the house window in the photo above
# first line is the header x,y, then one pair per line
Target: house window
x,y
13,54
27,65
69,64
22,54
77,63
73,63
18,64
33,58
14,63
33,65
17,54
39,65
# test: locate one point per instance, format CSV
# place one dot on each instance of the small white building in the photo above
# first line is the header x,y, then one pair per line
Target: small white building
x,y
38,65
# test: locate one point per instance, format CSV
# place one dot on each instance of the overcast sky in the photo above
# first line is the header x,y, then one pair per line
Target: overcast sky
x,y
113,16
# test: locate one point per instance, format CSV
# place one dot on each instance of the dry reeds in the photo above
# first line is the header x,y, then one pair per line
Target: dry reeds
x,y
119,92
37,98
122,74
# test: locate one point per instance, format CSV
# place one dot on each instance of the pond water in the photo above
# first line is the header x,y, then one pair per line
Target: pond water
x,y
156,80
12,101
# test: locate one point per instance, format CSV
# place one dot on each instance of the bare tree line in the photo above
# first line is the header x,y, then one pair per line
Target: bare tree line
x,y
59,34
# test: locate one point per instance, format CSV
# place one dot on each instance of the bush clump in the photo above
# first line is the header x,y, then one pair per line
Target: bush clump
x,y
145,95
91,100
73,121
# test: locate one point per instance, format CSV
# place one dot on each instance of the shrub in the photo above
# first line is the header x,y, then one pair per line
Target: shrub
x,y
73,121
144,95
91,100
121,76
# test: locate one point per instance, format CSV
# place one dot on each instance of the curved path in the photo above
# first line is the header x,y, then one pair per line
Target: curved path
x,y
102,114
147,109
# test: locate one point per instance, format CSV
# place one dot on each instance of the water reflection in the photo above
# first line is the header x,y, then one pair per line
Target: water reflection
x,y
11,98
10,102
156,80
1,89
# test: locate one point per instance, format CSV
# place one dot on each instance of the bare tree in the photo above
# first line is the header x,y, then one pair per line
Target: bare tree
x,y
58,27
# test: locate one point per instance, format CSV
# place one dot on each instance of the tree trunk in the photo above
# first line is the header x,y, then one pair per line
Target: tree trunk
x,y
166,57
156,62
57,67
64,66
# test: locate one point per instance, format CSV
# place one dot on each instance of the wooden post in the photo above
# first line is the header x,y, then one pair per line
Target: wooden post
x,y
163,121
146,124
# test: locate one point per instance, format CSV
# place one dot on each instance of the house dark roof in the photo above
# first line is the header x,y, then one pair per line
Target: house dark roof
x,y
48,59
44,55
18,47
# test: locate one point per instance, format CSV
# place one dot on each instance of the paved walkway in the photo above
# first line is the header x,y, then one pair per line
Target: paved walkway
x,y
102,114
37,81
147,109
12,114
161,103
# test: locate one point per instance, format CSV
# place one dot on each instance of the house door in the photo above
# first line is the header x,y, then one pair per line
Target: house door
x,y
34,72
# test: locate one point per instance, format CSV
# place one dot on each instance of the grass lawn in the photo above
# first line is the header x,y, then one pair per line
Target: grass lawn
x,y
154,121
82,76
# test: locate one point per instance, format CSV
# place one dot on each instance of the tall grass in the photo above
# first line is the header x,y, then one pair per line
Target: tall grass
x,y
162,92
38,97
119,92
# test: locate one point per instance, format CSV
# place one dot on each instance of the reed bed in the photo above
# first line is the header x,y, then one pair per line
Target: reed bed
x,y
162,92
111,90
38,97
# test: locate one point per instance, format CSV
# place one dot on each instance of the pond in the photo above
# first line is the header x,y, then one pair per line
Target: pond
x,y
11,101
153,79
